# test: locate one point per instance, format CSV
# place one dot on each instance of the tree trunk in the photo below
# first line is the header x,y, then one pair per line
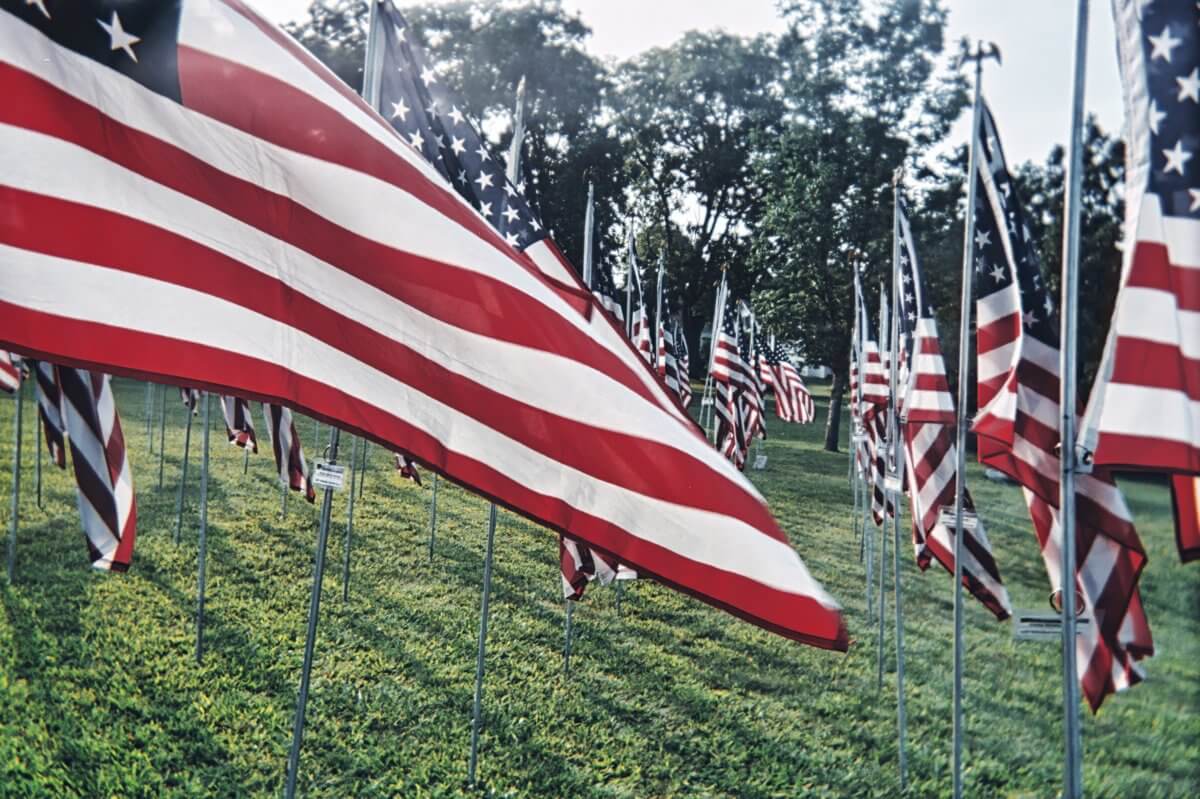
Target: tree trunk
x,y
833,423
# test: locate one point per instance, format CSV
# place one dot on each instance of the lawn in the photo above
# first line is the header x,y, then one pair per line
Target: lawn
x,y
100,694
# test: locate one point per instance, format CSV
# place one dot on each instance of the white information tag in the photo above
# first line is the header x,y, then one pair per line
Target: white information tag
x,y
329,475
891,484
760,462
1044,625
970,520
706,401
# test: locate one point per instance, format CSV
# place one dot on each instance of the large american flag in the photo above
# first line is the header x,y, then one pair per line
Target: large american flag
x,y
929,425
1144,411
189,195
1017,425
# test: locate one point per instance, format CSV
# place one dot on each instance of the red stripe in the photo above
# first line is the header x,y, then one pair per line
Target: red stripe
x,y
1152,269
799,617
1186,490
1140,362
1147,452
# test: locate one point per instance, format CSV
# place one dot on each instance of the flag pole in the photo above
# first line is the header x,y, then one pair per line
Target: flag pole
x,y
589,233
202,558
349,524
883,313
658,297
897,472
150,413
187,445
37,445
477,712
371,70
162,435
980,53
362,469
867,534
14,515
568,637
433,516
629,288
1069,463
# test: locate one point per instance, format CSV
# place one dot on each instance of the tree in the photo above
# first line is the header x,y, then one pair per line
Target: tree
x,y
864,97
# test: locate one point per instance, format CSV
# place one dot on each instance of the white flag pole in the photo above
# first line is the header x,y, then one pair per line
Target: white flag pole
x,y
1069,460
977,56
589,233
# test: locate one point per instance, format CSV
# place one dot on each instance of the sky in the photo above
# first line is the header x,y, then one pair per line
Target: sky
x,y
1029,94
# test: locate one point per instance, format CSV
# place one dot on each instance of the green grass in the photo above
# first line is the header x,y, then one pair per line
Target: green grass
x,y
100,694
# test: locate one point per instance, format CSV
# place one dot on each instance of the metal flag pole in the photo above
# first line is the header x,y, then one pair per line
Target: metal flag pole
x,y
980,53
362,468
149,414
349,525
433,517
883,528
589,233
568,637
709,387
162,435
897,471
283,501
371,70
1069,461
477,713
15,508
868,536
37,445
658,297
202,558
245,460
514,150
629,277
187,445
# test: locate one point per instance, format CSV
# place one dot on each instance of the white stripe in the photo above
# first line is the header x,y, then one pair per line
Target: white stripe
x,y
1180,234
151,306
997,361
1155,315
996,306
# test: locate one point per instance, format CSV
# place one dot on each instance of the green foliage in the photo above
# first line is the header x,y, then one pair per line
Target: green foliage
x,y
100,694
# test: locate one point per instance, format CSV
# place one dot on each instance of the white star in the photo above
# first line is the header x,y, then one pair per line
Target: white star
x,y
533,223
998,273
484,180
1163,44
432,109
1189,87
510,190
427,76
401,33
1025,233
456,115
1195,200
462,176
1049,306
980,266
904,278
459,146
1177,158
511,238
417,140
912,317
41,6
1029,318
1156,116
484,155
486,209
118,38
400,110
1141,7
982,237
511,214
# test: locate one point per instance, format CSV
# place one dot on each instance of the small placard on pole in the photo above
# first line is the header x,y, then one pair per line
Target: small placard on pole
x,y
969,519
707,400
760,462
329,475
892,484
1044,625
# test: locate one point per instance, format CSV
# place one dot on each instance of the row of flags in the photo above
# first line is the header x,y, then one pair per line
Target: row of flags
x,y
1142,413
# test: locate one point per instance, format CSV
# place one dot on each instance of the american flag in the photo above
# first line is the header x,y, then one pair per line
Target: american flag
x,y
49,395
239,424
406,467
289,456
1186,492
1144,411
188,194
929,425
580,564
605,291
668,365
684,362
1017,425
10,377
191,399
874,416
793,403
103,476
639,321
732,374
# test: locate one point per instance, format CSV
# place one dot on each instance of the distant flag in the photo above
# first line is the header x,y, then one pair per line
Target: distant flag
x,y
10,376
1144,411
683,362
49,396
793,403
579,565
239,423
103,476
289,456
874,418
929,424
1186,491
730,373
667,363
606,292
406,467
191,398
1017,427
639,330
315,258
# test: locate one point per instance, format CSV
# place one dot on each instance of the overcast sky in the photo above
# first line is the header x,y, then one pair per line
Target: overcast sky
x,y
1029,94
